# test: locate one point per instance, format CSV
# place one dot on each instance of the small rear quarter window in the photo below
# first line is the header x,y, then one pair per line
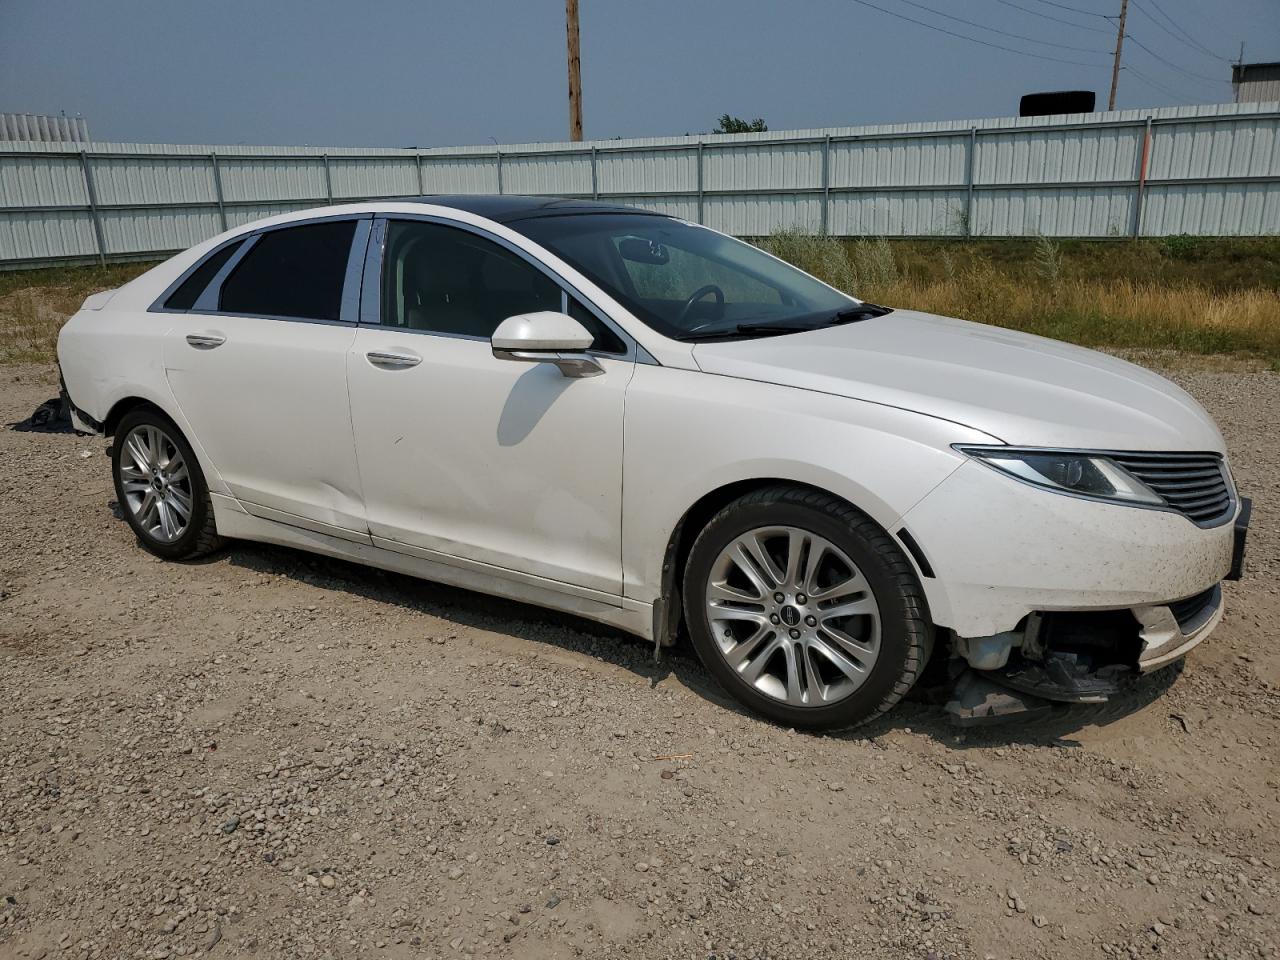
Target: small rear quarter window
x,y
185,297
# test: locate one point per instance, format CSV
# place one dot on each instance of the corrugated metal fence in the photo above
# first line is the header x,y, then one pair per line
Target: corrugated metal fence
x,y
1197,170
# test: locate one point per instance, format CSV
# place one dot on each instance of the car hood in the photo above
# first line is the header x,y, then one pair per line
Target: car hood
x,y
1024,390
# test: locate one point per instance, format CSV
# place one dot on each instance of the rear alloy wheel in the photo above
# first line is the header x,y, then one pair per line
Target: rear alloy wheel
x,y
160,488
804,609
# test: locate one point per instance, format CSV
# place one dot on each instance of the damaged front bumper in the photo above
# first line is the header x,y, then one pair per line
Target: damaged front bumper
x,y
1062,598
1082,657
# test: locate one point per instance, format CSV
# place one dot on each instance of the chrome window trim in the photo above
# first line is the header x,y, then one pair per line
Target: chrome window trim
x,y
371,290
158,305
207,303
349,311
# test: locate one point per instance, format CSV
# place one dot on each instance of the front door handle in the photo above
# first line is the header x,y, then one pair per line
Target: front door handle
x,y
206,341
380,358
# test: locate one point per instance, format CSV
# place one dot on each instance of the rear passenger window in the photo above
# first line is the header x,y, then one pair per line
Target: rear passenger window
x,y
294,272
185,297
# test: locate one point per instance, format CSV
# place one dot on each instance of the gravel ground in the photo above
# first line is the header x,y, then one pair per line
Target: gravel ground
x,y
273,755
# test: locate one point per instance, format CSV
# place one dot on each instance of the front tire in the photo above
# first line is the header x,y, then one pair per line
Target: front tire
x,y
160,487
805,610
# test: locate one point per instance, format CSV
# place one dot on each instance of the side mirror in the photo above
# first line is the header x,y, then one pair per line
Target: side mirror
x,y
546,337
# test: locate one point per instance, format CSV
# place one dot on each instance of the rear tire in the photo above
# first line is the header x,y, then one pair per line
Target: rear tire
x,y
160,487
805,610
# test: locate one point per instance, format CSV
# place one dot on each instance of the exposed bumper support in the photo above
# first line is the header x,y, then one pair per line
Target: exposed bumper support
x,y
1165,640
80,421
1087,657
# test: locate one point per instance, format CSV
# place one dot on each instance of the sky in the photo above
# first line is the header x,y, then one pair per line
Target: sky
x,y
446,72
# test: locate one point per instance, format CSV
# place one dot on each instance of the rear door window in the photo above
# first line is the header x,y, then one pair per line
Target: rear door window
x,y
295,272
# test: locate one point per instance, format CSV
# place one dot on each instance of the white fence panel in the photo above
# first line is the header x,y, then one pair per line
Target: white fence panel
x,y
557,174
171,229
392,177
643,172
35,181
898,161
1200,170
48,235
161,181
1064,212
283,178
776,166
1233,209
881,213
445,174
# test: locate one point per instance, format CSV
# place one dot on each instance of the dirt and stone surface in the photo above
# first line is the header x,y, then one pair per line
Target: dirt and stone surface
x,y
268,754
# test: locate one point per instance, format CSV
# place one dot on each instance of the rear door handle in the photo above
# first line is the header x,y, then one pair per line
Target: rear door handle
x,y
380,358
206,341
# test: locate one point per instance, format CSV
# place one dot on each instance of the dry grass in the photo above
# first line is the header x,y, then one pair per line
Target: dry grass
x,y
1115,312
1047,287
34,304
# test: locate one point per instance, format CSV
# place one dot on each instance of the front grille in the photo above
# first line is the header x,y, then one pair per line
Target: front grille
x,y
1194,484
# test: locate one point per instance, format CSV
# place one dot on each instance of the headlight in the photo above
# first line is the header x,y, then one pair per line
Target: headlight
x,y
1084,474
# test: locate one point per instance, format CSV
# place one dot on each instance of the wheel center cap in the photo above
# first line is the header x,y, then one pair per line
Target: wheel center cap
x,y
790,616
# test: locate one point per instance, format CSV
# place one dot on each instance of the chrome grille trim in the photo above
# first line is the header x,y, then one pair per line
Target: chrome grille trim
x,y
1195,485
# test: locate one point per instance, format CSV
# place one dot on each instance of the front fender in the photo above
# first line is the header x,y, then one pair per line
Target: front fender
x,y
691,433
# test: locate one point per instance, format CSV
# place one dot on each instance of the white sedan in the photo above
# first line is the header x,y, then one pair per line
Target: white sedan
x,y
648,423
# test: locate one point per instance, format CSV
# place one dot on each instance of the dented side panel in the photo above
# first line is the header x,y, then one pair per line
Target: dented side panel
x,y
269,404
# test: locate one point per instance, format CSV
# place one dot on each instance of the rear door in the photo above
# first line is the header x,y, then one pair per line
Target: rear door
x,y
258,367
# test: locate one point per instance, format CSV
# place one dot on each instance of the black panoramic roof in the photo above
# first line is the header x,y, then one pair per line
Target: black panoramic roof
x,y
505,208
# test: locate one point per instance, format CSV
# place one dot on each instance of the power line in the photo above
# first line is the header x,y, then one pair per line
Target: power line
x,y
1003,33
1158,86
985,43
1049,16
1170,63
1063,6
1185,37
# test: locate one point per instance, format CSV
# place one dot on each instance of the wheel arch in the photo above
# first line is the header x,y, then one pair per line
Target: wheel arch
x,y
668,612
136,398
126,405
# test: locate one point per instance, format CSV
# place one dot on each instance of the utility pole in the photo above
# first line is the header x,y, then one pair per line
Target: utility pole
x,y
1115,68
1237,75
575,71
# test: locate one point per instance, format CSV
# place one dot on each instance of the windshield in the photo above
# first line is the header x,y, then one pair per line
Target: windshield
x,y
686,281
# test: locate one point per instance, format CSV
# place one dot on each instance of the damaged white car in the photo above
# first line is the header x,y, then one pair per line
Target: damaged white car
x,y
648,423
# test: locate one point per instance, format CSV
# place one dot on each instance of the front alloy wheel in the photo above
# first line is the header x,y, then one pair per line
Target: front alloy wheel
x,y
804,609
793,615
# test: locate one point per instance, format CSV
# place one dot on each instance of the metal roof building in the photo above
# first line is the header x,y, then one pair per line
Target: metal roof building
x,y
33,127
1256,82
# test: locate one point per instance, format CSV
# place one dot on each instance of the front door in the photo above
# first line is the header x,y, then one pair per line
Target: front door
x,y
258,369
509,464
